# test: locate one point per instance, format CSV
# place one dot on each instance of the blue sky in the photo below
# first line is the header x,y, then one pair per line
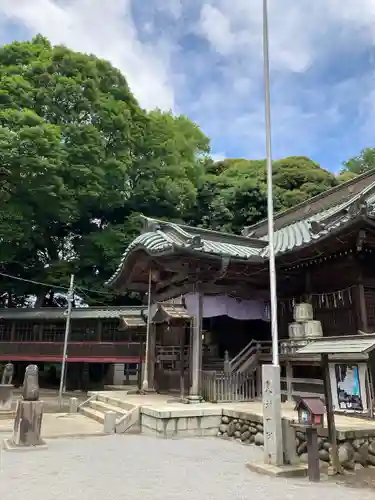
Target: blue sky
x,y
203,58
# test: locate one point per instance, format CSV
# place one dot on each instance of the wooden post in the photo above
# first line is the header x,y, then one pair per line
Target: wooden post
x,y
182,363
360,299
258,375
330,415
362,307
289,382
226,363
99,330
13,332
151,358
313,454
140,365
196,354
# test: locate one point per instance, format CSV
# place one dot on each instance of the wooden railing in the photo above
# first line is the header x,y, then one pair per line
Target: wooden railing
x,y
220,387
302,387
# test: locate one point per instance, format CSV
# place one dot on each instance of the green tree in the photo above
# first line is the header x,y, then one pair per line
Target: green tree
x,y
81,159
360,164
234,191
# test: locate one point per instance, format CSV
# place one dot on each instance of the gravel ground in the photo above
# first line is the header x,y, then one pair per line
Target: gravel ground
x,y
146,468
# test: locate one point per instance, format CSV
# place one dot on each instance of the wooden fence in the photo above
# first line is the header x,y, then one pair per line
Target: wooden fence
x,y
220,387
302,387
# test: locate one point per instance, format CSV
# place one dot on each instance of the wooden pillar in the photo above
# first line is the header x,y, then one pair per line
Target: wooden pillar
x,y
40,332
151,357
196,353
12,332
182,362
330,414
361,303
289,382
99,330
149,370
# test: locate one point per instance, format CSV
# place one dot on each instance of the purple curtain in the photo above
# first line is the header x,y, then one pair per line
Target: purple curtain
x,y
224,305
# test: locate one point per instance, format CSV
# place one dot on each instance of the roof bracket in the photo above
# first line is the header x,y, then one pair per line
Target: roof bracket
x,y
317,227
194,242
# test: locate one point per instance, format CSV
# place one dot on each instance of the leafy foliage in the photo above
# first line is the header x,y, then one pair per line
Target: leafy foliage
x,y
234,192
80,160
360,164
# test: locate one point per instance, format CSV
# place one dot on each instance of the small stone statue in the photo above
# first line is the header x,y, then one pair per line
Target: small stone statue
x,y
8,373
31,384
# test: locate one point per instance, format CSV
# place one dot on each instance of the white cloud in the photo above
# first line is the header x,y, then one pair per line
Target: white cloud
x,y
105,28
218,156
219,82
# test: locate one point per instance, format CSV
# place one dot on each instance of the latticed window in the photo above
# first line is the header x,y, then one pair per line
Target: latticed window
x,y
5,332
53,332
26,331
110,331
84,331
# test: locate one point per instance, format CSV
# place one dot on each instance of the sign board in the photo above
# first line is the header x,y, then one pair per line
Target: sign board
x,y
349,386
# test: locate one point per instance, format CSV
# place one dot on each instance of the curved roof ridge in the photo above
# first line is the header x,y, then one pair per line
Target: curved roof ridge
x,y
352,182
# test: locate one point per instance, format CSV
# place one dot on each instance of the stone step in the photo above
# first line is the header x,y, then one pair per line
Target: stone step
x,y
96,415
114,402
103,407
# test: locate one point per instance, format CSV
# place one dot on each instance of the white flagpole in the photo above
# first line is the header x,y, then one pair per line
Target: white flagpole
x,y
273,442
273,292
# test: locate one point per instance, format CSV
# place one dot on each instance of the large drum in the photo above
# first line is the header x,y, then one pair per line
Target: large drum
x,y
313,329
303,312
296,331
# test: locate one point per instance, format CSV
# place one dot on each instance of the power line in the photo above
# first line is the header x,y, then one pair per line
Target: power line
x,y
40,283
50,285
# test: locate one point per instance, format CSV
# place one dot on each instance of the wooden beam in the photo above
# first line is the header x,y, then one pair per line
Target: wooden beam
x,y
330,414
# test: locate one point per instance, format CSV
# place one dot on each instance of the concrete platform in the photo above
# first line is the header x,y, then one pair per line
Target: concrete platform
x,y
56,425
299,470
165,416
165,406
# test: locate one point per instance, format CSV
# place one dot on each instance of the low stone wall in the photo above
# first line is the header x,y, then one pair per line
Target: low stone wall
x,y
356,447
180,423
245,428
354,452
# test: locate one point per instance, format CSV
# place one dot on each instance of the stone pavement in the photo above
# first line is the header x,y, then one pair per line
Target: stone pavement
x,y
56,425
145,468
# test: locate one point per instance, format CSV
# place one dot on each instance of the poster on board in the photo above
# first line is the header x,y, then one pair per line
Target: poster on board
x,y
348,387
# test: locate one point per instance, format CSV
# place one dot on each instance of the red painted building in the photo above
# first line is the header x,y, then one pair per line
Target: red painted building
x,y
108,337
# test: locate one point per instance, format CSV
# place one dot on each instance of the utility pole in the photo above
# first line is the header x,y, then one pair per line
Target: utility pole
x,y
273,444
66,337
147,354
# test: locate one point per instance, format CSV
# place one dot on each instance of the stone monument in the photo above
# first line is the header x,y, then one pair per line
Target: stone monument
x,y
6,388
29,414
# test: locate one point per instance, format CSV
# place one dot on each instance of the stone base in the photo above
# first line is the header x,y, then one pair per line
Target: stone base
x,y
6,397
28,423
10,445
299,470
194,399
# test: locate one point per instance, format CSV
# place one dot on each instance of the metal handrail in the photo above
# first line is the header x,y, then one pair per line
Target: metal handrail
x,y
86,401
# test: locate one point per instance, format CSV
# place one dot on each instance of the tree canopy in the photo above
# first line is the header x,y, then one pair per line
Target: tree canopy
x,y
80,160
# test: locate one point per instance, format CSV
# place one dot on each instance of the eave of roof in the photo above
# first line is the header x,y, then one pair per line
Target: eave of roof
x,y
353,344
59,313
163,238
166,238
347,189
310,230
